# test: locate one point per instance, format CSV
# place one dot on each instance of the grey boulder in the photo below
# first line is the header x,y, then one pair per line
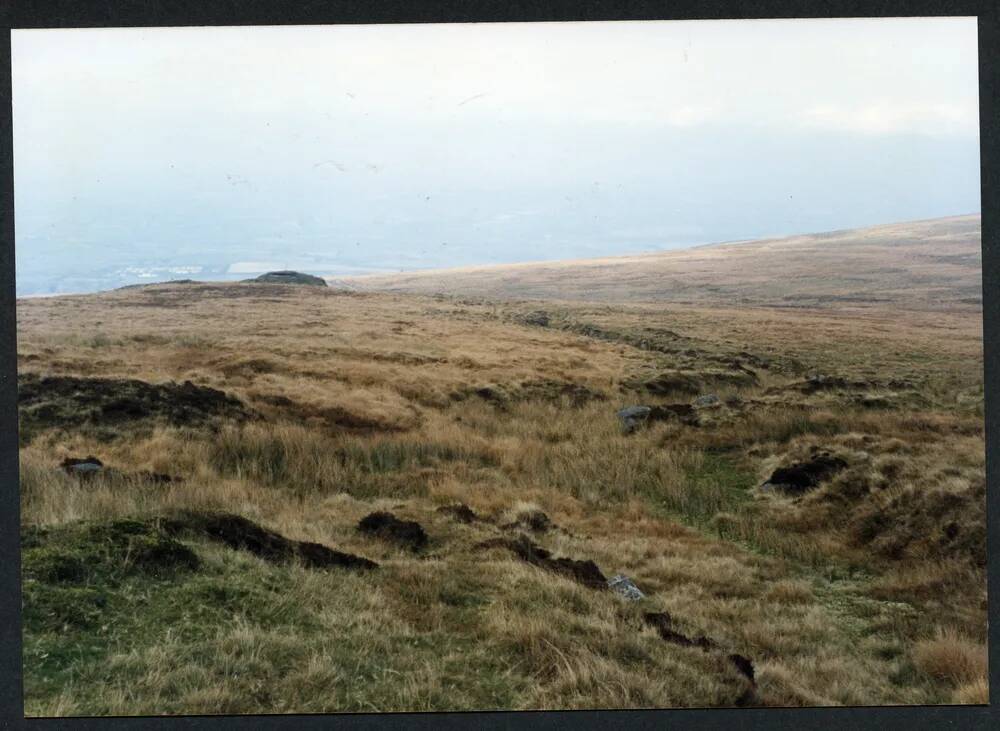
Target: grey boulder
x,y
633,417
624,587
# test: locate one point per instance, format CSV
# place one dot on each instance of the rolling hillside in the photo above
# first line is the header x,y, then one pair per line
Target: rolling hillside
x,y
269,498
916,265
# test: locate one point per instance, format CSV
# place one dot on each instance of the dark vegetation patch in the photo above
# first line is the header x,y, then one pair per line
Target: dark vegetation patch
x,y
683,413
460,512
334,417
289,277
250,367
546,389
932,522
403,358
533,520
72,630
106,405
652,339
102,554
540,389
163,297
157,478
663,340
242,534
538,318
155,284
407,533
691,382
662,622
822,382
585,572
803,476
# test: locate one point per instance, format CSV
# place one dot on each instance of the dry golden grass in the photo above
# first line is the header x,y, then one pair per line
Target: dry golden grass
x,y
975,693
952,658
366,404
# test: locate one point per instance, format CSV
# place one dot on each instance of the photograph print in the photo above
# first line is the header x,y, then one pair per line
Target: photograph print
x,y
500,366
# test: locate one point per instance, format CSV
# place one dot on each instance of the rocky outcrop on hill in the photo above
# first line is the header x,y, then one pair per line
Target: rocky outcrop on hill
x,y
290,277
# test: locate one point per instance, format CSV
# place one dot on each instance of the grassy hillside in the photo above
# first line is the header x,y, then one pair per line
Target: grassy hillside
x,y
493,425
915,265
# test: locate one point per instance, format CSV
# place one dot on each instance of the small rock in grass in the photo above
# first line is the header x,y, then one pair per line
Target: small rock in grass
x,y
624,587
633,417
86,467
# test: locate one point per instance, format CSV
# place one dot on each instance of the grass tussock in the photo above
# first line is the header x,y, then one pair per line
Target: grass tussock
x,y
952,658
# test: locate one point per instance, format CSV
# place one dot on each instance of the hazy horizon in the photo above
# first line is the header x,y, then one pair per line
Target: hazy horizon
x,y
214,153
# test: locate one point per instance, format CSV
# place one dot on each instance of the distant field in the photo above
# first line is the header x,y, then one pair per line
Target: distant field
x,y
491,420
921,264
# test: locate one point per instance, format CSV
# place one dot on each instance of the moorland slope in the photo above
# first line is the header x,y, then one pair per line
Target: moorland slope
x,y
914,265
258,497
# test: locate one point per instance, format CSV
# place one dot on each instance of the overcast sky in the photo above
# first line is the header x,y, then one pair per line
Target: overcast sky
x,y
352,148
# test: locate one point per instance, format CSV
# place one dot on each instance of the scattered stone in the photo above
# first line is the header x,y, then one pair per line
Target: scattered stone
x,y
584,572
289,277
239,533
387,526
84,468
624,587
708,401
633,417
803,476
460,512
